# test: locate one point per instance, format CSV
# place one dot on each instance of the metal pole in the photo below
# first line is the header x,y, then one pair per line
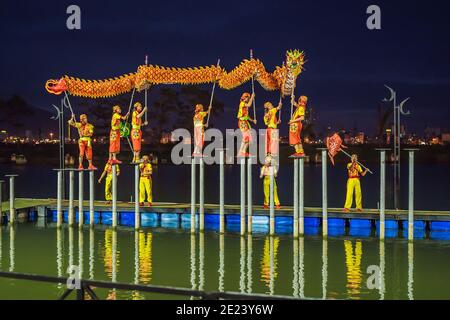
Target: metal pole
x,y
411,196
272,202
242,196
296,197
12,210
91,198
80,198
114,196
324,194
202,195
301,197
222,193
59,213
137,215
249,196
193,195
71,191
382,192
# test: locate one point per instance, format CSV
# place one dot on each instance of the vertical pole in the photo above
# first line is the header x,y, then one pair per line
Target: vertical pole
x,y
411,197
80,198
71,191
91,198
114,196
12,210
324,267
395,157
193,191
301,197
242,196
221,262
324,194
202,196
382,270
249,263
249,196
91,254
242,257
137,215
411,271
272,202
382,192
222,193
296,197
301,272
59,195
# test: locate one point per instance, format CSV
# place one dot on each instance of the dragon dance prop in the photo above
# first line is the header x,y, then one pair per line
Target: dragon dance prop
x,y
282,78
334,145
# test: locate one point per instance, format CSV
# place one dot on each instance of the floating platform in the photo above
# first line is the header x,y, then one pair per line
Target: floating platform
x,y
435,224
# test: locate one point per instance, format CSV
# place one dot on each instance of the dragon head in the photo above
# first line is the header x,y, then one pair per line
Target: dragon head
x,y
56,86
294,61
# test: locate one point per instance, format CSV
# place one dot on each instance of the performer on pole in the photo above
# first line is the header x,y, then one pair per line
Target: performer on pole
x,y
243,122
145,181
272,133
295,126
114,136
86,131
353,184
107,171
136,132
199,129
265,173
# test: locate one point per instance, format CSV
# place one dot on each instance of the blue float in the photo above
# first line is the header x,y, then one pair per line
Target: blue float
x,y
170,224
388,232
336,231
186,217
336,223
417,225
440,226
440,235
388,224
169,217
106,218
418,233
149,223
232,219
212,219
260,228
233,227
360,223
260,220
283,229
311,230
87,217
283,221
312,222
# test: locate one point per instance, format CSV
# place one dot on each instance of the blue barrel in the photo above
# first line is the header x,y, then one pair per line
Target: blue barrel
x,y
106,218
260,221
126,219
440,226
86,216
311,230
170,224
418,233
149,217
260,228
418,225
360,223
440,235
336,223
169,217
232,219
212,219
312,222
388,232
388,224
283,221
360,232
336,231
283,229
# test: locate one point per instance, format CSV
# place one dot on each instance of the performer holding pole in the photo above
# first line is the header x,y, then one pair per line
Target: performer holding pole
x,y
86,131
243,122
266,171
114,136
199,129
272,134
145,181
107,171
353,184
295,125
136,132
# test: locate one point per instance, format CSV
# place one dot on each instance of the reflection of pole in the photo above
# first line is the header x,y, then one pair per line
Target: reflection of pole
x,y
12,248
193,191
221,262
80,252
114,256
80,198
249,263
242,196
1,207
91,253
193,264
411,195
71,191
91,198
295,267
114,196
272,265
242,266
301,274
222,192
249,196
324,268
272,202
296,194
136,257
137,215
201,264
70,246
324,194
382,268
411,271
59,196
59,262
202,196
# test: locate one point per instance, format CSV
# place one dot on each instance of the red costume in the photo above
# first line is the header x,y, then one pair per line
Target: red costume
x,y
136,132
114,135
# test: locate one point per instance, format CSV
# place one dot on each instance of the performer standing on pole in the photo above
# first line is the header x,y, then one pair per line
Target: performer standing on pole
x,y
86,131
107,171
353,184
243,122
272,135
145,181
199,129
136,132
295,126
114,136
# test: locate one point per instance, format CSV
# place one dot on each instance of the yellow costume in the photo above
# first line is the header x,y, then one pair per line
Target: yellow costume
x,y
108,181
271,121
353,185
145,182
265,172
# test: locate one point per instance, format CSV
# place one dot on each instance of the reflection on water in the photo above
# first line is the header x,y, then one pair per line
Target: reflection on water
x,y
306,267
353,262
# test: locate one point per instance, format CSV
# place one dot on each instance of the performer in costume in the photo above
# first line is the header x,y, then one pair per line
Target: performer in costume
x,y
145,181
265,173
295,126
353,184
136,132
85,130
114,136
243,122
107,171
272,133
199,128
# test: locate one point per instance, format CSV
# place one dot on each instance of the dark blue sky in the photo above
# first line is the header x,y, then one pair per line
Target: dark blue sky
x,y
346,69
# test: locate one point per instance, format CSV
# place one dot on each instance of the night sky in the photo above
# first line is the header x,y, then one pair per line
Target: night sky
x,y
345,73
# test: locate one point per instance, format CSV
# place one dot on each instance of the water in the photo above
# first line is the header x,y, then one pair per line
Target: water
x,y
172,184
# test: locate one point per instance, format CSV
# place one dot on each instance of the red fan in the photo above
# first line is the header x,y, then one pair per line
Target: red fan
x,y
334,145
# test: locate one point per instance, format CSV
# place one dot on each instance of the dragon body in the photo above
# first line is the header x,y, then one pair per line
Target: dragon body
x,y
282,78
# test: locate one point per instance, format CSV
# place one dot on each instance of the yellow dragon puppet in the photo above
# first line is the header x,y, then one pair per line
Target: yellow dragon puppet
x,y
282,78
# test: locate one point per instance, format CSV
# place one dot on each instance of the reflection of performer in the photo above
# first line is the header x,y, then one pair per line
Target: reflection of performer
x,y
145,181
265,261
353,262
353,184
243,122
114,136
145,257
271,121
85,130
265,173
199,128
136,132
108,182
295,126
